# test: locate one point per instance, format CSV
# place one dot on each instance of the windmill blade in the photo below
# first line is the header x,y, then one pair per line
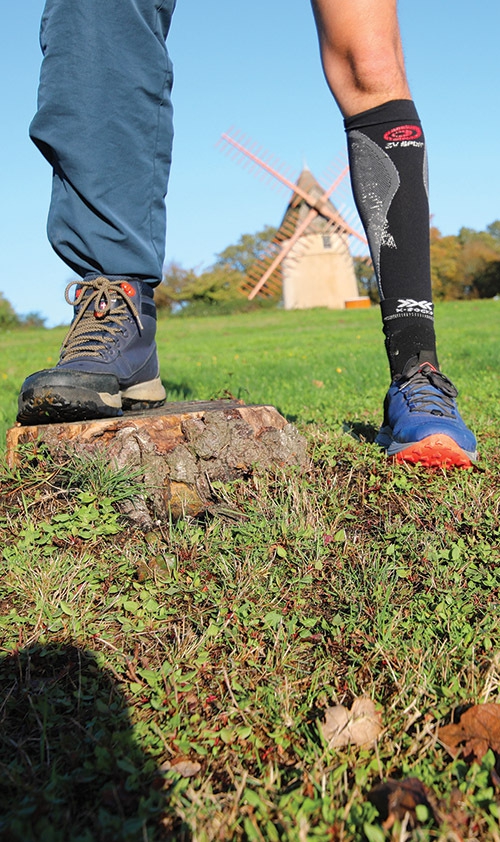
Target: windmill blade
x,y
357,246
345,205
299,231
309,201
287,246
240,148
231,144
245,152
320,205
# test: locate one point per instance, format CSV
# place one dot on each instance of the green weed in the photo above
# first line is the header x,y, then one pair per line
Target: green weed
x,y
169,686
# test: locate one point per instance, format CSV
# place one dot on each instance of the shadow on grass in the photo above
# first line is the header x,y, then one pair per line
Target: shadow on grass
x,y
292,419
177,391
70,767
360,431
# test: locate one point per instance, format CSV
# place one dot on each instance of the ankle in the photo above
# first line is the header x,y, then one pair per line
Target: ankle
x,y
409,338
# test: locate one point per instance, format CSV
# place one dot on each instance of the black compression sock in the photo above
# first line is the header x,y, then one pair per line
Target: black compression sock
x,y
388,164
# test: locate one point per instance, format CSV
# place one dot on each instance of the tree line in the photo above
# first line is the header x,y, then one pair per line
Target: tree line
x,y
10,319
466,265
218,287
463,266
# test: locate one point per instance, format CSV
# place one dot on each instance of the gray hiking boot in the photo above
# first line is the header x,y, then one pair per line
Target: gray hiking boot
x,y
108,360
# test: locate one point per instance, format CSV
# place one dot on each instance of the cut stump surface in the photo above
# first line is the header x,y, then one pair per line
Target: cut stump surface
x,y
180,449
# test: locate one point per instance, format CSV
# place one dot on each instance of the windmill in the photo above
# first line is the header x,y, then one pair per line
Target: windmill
x,y
315,240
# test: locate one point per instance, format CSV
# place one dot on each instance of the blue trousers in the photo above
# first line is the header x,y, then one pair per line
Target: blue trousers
x,y
104,123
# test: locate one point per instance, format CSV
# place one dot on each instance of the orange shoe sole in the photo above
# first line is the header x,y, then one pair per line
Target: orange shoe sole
x,y
434,452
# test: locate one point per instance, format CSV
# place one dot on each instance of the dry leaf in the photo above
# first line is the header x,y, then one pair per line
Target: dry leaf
x,y
361,725
335,725
477,731
186,768
396,799
454,814
182,765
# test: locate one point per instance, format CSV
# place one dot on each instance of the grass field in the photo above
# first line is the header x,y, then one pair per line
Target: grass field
x,y
171,686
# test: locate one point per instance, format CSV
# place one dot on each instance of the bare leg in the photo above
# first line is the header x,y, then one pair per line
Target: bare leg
x,y
361,52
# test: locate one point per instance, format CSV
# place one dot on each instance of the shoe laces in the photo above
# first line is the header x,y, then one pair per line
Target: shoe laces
x,y
101,308
427,390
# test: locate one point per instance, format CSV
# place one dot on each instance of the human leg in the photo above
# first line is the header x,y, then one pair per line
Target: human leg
x,y
104,123
363,61
361,52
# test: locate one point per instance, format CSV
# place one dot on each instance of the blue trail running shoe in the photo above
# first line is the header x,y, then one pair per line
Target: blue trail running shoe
x,y
108,360
421,420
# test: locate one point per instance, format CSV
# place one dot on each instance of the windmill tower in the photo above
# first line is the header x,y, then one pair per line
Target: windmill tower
x,y
310,261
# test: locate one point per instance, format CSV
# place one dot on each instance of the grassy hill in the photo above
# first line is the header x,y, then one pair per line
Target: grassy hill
x,y
171,686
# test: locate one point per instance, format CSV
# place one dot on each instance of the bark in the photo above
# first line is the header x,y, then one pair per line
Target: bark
x,y
180,449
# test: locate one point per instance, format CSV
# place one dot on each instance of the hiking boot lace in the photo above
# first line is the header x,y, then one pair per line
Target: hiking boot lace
x,y
427,390
102,307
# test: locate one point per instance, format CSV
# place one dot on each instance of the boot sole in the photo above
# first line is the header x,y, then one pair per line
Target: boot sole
x,y
143,395
65,403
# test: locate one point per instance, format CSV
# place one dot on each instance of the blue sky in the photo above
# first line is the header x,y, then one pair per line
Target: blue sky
x,y
256,67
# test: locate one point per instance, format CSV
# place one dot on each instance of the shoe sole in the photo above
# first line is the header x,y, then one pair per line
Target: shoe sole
x,y
437,451
143,396
66,403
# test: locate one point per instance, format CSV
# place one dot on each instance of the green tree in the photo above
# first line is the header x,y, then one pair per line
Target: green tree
x,y
8,316
446,273
219,286
494,230
365,276
171,294
248,250
480,249
33,319
465,266
487,284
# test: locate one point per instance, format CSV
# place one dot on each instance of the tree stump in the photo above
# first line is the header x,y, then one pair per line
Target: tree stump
x,y
179,449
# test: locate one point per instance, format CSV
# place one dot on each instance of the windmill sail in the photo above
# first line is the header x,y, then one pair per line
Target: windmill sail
x,y
309,262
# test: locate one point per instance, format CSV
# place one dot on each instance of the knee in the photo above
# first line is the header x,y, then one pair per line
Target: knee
x,y
370,71
365,75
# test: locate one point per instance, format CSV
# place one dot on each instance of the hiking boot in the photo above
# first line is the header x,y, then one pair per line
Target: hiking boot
x,y
108,359
421,420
